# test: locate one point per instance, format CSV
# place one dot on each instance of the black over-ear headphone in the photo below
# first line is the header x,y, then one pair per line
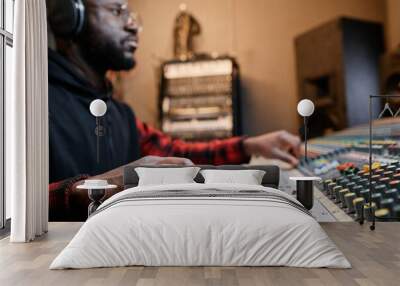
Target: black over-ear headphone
x,y
66,17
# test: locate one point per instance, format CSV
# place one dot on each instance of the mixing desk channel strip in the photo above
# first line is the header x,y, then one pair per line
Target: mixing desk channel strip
x,y
323,210
342,161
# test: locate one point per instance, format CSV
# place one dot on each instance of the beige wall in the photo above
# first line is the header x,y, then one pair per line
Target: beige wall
x,y
392,24
259,33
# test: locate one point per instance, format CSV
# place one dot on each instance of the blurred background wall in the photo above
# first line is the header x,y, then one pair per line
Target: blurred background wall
x,y
392,24
260,34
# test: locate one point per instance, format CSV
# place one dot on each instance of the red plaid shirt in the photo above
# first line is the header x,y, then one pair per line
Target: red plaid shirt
x,y
154,142
215,152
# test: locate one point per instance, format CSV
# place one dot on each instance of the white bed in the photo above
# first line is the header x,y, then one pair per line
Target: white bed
x,y
247,226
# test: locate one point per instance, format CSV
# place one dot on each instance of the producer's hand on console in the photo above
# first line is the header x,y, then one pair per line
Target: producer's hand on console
x,y
79,198
156,160
115,176
276,145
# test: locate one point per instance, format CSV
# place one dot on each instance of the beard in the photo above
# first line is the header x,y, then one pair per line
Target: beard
x,y
105,52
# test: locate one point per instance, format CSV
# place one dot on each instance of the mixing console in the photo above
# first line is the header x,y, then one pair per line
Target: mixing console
x,y
342,161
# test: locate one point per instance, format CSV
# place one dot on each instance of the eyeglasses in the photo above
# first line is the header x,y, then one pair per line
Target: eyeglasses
x,y
122,11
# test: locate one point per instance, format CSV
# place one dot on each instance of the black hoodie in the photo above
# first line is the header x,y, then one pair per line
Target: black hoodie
x,y
72,127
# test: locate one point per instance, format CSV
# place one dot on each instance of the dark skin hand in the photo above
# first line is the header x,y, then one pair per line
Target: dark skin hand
x,y
280,145
79,198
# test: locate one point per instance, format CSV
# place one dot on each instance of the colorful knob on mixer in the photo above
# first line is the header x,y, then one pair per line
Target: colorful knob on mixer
x,y
347,168
375,165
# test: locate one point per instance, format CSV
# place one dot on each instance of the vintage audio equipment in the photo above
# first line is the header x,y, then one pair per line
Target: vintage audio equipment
x,y
199,99
337,68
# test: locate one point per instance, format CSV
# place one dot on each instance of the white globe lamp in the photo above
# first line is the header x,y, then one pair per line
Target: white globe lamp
x,y
98,108
305,108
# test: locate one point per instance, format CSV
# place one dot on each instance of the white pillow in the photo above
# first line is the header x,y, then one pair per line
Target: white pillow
x,y
166,176
248,177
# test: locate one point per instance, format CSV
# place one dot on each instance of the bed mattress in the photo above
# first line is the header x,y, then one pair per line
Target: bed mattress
x,y
201,225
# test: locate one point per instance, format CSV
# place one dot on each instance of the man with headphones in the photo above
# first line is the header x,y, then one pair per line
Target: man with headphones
x,y
93,37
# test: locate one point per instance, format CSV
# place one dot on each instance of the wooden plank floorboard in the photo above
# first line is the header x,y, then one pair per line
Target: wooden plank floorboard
x,y
375,257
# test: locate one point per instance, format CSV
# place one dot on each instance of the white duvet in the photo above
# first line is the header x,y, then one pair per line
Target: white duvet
x,y
202,231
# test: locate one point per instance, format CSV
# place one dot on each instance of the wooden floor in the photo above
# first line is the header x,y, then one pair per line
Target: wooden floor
x,y
375,257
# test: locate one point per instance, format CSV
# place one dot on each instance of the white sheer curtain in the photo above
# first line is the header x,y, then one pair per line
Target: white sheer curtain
x,y
27,124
